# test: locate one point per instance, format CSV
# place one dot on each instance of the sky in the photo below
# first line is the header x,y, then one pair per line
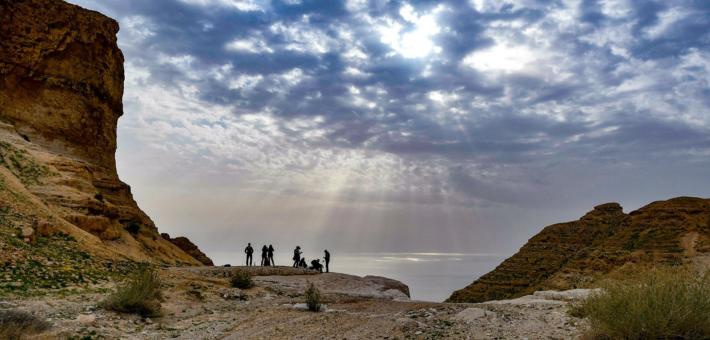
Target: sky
x,y
407,126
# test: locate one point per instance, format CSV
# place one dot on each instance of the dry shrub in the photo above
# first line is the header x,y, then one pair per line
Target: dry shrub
x,y
141,294
313,297
661,303
15,324
241,279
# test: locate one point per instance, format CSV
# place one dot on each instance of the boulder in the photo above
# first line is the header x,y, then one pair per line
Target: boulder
x,y
406,324
190,248
85,319
389,283
43,228
28,234
475,314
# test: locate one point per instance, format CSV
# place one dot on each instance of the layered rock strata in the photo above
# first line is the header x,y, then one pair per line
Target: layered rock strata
x,y
61,88
603,243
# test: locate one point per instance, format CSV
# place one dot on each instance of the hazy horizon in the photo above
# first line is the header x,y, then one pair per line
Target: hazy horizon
x,y
406,126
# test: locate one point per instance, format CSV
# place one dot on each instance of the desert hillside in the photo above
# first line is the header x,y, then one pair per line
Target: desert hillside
x,y
602,243
61,84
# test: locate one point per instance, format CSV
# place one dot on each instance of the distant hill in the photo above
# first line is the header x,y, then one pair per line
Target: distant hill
x,y
602,243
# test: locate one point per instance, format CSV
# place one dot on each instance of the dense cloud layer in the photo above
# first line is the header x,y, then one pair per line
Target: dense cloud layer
x,y
461,111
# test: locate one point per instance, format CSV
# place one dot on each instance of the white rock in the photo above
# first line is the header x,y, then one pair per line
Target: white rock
x,y
85,319
323,308
473,314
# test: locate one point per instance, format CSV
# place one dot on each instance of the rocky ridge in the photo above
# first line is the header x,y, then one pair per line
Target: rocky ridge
x,y
61,88
603,243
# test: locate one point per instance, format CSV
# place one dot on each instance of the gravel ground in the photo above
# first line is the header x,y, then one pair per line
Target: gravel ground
x,y
199,306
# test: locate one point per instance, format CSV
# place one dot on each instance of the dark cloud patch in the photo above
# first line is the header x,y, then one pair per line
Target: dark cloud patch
x,y
591,12
691,32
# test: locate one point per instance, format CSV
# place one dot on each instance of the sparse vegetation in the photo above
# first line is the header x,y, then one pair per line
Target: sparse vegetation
x,y
99,196
141,294
241,279
23,165
133,227
662,303
313,297
15,324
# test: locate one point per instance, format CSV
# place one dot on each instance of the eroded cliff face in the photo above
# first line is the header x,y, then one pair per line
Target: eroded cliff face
x,y
61,84
63,78
603,243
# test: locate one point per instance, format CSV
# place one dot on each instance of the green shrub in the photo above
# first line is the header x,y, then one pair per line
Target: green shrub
x,y
140,294
15,324
241,278
99,196
133,227
313,297
663,303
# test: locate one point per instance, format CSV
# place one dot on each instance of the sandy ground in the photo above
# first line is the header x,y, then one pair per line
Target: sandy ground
x,y
199,306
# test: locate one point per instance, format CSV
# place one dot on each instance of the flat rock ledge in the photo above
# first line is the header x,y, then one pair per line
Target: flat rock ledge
x,y
254,270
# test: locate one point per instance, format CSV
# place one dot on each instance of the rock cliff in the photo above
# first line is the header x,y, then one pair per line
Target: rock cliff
x,y
61,88
603,243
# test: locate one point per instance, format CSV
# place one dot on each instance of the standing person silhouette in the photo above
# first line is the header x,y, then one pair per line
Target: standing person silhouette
x,y
249,250
296,256
327,261
263,256
271,255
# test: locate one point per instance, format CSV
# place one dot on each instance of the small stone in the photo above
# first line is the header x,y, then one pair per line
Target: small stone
x,y
4,304
148,321
406,323
85,319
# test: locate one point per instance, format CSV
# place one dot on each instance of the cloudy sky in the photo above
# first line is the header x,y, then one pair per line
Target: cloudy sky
x,y
411,126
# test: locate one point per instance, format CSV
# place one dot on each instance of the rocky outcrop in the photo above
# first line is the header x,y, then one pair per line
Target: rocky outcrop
x,y
389,283
61,84
602,243
190,248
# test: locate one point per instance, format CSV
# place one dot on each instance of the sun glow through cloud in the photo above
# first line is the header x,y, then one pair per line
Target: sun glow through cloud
x,y
415,43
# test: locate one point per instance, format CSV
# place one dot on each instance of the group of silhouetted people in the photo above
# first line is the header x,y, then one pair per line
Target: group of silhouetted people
x,y
299,262
267,258
267,255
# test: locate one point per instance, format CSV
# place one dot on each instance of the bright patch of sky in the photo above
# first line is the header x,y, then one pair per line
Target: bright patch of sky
x,y
416,42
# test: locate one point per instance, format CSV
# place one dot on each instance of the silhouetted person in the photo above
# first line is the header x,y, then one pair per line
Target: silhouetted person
x,y
302,263
296,256
249,250
271,255
316,265
263,255
327,261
